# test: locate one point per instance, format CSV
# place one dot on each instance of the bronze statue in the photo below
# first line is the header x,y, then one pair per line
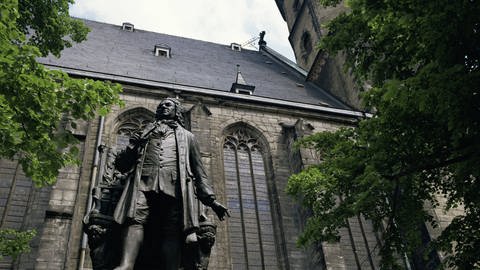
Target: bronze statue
x,y
164,181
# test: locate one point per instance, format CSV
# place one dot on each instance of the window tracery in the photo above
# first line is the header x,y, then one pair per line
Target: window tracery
x,y
110,182
129,125
251,225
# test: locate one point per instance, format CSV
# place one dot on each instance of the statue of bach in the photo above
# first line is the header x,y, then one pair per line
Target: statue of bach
x,y
167,181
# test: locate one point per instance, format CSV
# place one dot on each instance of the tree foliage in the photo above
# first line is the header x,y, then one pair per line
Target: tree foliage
x,y
423,142
34,100
14,243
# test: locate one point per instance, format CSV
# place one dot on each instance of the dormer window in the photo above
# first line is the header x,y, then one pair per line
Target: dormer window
x,y
244,91
236,47
162,50
240,86
126,26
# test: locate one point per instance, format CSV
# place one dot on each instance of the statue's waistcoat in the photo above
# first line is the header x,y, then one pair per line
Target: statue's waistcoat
x,y
159,170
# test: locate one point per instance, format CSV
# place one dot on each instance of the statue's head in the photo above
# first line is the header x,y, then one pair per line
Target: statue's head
x,y
170,109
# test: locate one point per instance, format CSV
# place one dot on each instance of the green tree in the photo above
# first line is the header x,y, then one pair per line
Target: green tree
x,y
34,100
423,141
13,243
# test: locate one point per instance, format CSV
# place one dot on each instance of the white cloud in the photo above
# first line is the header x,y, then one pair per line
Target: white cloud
x,y
219,21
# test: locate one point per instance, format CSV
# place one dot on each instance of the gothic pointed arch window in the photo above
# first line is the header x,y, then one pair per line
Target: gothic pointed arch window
x,y
251,231
130,121
108,187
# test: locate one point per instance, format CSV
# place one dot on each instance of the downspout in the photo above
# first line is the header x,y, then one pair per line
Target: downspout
x,y
92,185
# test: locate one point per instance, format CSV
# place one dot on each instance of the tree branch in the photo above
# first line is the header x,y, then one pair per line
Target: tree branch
x,y
431,166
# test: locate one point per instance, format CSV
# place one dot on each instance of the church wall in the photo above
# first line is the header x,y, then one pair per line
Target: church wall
x,y
329,73
269,124
326,71
304,37
299,16
326,14
59,219
209,118
291,8
22,207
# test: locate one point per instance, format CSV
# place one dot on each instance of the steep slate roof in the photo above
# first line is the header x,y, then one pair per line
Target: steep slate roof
x,y
111,50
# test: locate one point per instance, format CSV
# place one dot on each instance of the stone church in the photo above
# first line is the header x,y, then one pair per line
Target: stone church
x,y
246,109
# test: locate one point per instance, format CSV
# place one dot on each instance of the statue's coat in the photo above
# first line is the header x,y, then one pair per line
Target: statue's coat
x,y
192,178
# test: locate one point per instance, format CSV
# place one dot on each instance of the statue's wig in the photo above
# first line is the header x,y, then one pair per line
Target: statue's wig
x,y
179,111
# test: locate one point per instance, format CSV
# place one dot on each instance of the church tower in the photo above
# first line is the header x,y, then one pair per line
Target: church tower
x,y
306,21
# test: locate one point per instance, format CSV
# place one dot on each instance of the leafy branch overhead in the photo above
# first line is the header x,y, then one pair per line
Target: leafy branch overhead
x,y
13,243
33,99
422,59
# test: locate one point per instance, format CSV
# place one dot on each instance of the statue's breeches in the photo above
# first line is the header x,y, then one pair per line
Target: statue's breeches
x,y
162,210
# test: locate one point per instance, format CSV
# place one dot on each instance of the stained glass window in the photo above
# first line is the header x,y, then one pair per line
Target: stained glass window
x,y
251,233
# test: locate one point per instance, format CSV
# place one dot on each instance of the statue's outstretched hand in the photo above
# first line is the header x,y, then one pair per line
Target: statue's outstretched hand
x,y
220,210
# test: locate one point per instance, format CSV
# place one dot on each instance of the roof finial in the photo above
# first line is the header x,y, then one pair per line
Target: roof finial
x,y
239,79
262,42
240,85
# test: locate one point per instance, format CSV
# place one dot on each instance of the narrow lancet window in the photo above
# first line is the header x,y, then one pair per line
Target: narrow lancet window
x,y
250,227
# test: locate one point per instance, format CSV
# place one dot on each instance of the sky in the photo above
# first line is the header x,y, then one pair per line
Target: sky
x,y
219,21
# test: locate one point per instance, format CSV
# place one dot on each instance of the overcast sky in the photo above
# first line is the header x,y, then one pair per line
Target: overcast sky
x,y
219,21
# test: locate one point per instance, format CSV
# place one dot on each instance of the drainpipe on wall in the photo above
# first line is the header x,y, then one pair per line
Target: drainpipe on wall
x,y
92,185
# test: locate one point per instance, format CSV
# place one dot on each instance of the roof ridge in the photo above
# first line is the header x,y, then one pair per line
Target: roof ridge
x,y
284,60
160,33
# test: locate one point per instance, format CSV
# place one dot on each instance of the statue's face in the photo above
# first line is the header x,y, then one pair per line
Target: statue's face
x,y
166,109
